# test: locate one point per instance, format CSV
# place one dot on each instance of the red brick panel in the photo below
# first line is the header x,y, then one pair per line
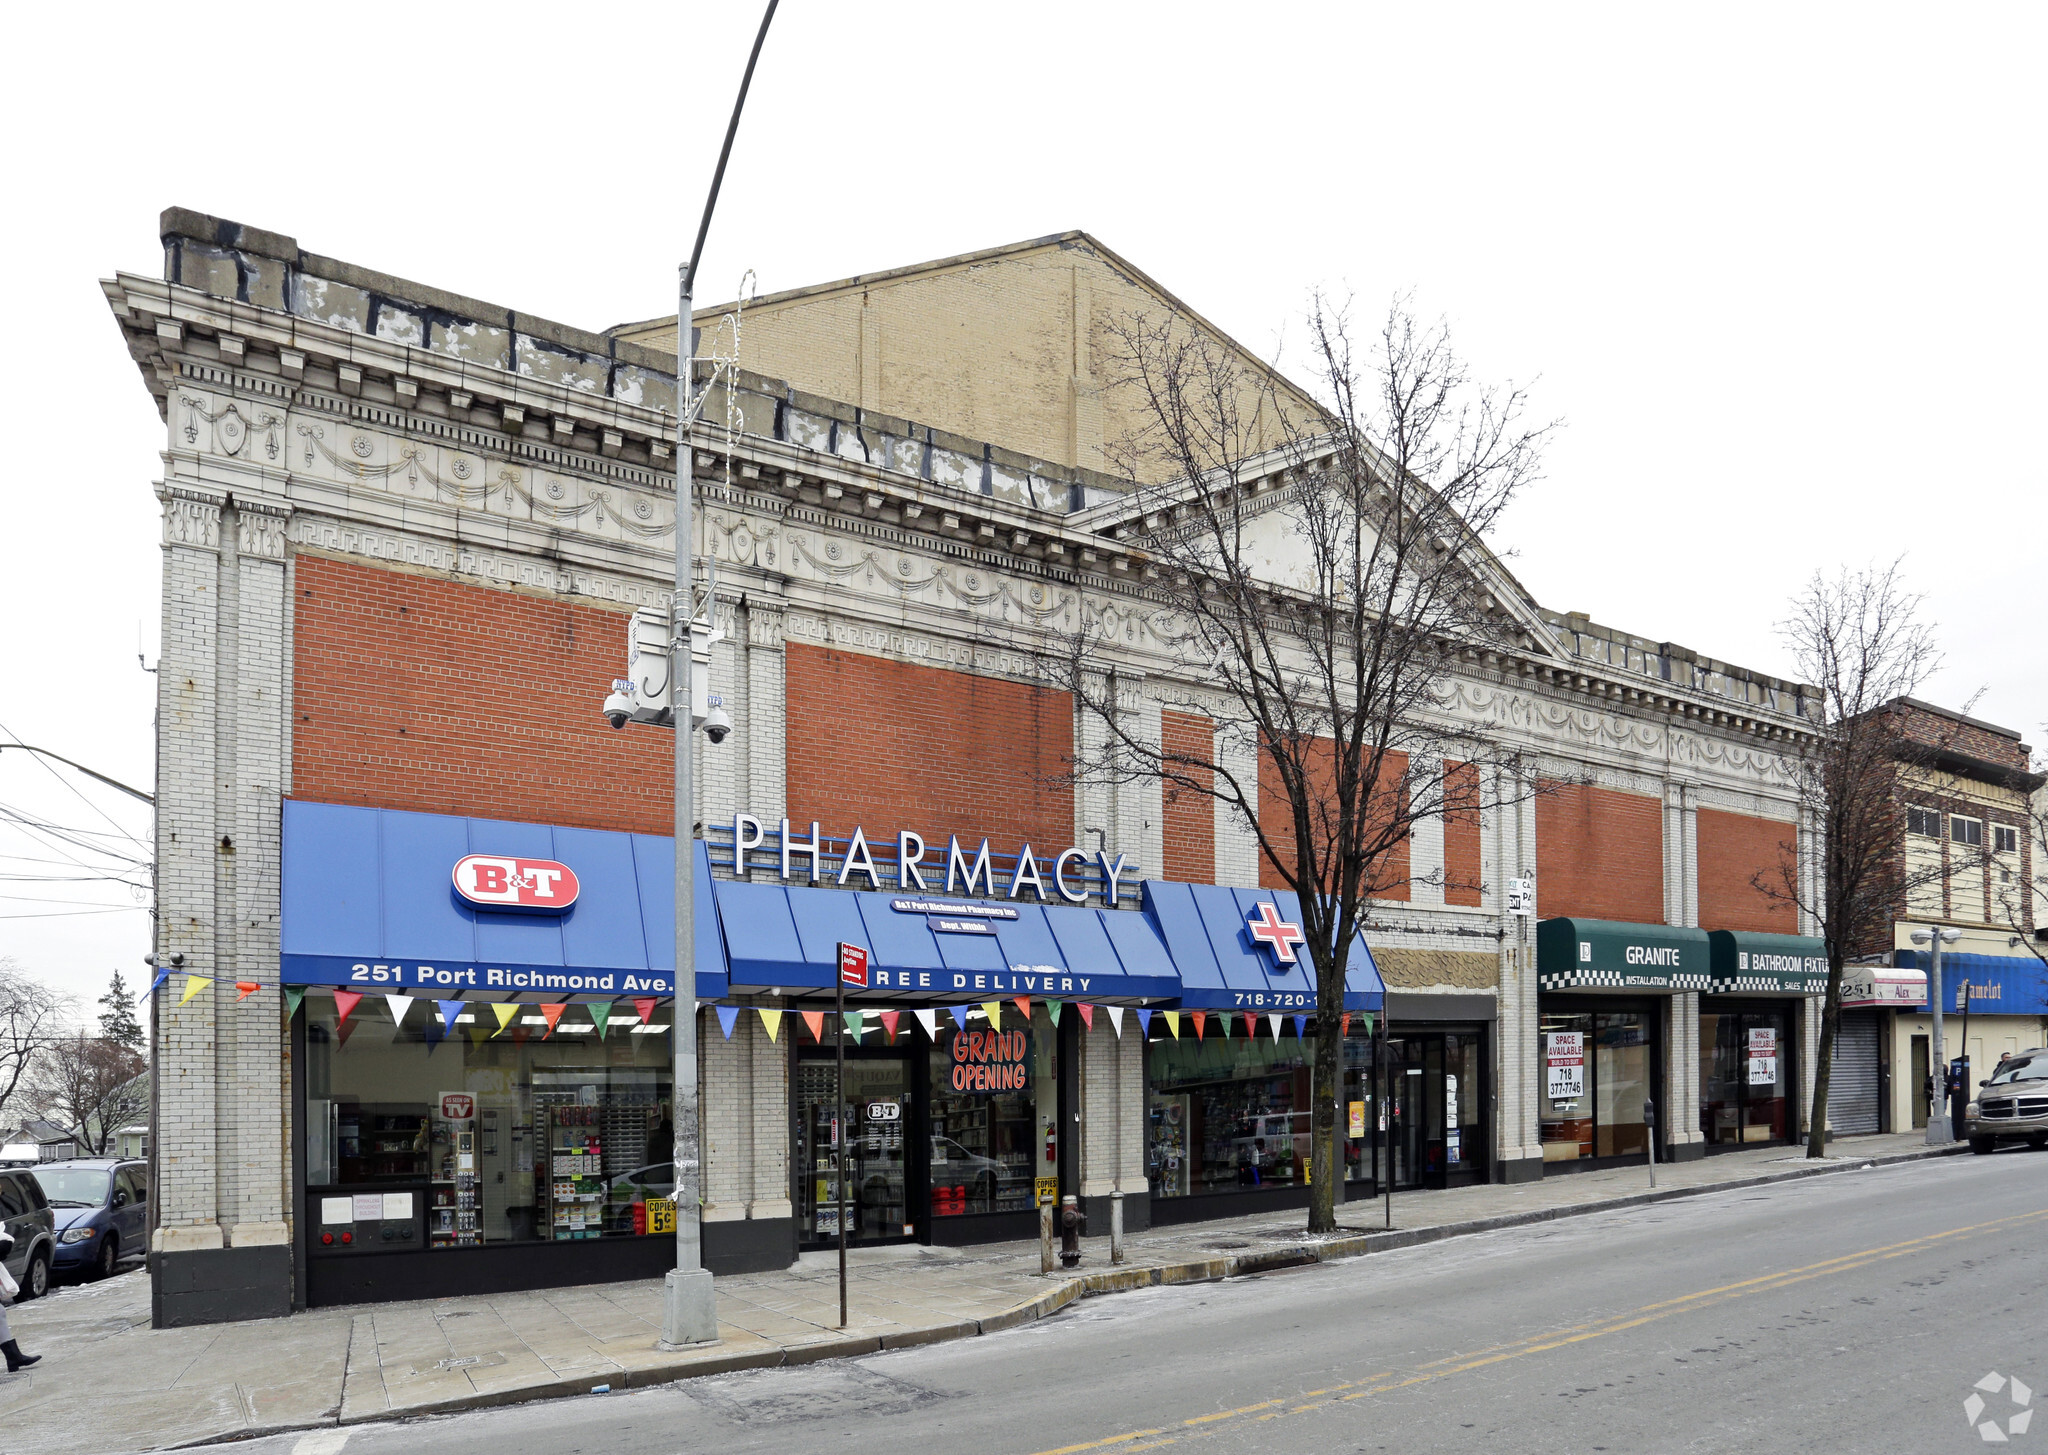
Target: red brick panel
x,y
1190,814
416,693
1732,847
1599,854
891,746
1389,878
1461,834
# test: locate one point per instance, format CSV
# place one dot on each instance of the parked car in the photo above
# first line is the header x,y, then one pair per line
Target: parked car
x,y
2011,1105
102,1211
27,1214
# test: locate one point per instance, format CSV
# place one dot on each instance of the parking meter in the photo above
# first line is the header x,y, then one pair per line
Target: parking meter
x,y
1958,1091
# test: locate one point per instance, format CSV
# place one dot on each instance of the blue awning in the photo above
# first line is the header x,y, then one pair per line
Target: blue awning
x,y
787,936
369,903
1205,928
1998,984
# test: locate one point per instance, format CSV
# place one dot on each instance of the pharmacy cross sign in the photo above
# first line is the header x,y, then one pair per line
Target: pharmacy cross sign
x,y
1275,933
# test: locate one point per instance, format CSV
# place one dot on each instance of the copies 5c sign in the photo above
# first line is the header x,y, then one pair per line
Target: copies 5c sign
x,y
495,881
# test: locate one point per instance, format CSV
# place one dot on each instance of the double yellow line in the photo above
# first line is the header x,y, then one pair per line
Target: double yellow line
x,y
1387,1381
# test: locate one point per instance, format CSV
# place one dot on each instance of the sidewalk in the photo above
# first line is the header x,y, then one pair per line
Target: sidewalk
x,y
111,1383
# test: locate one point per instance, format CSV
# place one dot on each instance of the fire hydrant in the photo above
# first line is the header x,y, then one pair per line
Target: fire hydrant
x,y
1072,1222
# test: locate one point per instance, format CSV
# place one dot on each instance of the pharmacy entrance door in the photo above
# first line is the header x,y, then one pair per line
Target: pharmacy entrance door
x,y
885,1184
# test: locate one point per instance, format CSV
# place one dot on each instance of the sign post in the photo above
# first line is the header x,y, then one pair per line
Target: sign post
x,y
853,970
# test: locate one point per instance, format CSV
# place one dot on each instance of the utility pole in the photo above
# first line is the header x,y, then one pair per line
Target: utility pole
x,y
689,1307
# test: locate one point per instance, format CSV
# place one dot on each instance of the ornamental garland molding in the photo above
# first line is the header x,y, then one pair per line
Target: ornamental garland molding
x,y
915,648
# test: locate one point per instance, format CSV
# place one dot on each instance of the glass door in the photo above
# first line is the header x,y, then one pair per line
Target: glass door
x,y
875,1119
1408,1117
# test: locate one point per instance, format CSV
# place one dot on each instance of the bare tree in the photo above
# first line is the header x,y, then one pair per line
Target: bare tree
x,y
93,1086
1859,640
1331,578
31,1019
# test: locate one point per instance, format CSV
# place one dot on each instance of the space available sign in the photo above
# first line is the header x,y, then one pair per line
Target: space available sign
x,y
1048,878
1763,1057
1564,1065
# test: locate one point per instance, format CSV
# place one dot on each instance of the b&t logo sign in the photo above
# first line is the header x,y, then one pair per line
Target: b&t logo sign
x,y
494,881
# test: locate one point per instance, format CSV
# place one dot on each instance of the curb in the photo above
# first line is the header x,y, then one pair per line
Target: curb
x,y
1089,1285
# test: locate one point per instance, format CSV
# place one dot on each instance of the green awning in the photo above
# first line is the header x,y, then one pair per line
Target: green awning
x,y
1746,964
1609,955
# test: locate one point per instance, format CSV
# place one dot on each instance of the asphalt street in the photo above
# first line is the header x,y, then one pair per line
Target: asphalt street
x,y
1844,1313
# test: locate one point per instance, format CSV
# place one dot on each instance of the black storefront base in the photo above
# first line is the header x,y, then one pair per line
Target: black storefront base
x,y
1518,1169
1137,1213
971,1228
219,1285
753,1246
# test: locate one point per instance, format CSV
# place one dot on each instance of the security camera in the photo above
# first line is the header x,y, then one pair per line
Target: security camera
x,y
618,709
177,958
717,725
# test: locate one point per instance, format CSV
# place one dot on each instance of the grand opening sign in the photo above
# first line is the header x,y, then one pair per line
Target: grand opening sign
x,y
990,1061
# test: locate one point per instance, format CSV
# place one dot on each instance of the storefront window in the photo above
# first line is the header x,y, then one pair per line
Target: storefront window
x,y
525,1133
1598,1069
1231,1114
995,1116
1745,1075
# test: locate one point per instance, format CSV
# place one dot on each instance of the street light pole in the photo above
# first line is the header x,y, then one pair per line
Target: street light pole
x,y
1939,1130
689,1307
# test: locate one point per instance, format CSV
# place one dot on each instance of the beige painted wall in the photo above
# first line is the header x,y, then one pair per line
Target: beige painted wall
x,y
1013,347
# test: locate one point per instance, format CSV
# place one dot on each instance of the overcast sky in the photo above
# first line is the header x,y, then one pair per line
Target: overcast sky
x,y
1779,268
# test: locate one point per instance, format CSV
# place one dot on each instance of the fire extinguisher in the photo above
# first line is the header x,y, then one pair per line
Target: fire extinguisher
x,y
1051,1143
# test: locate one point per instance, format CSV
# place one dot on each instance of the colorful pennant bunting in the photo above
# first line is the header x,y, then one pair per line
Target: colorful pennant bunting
x,y
889,1020
1172,1023
345,1002
728,1017
771,1020
1052,1008
929,1019
505,1011
1344,1024
644,1004
1274,1021
194,982
1299,1022
993,1009
1144,1024
245,988
600,1016
294,997
959,1018
449,1010
1087,1014
161,976
1023,1004
815,1019
1116,1019
399,1004
854,1028
552,1014
1198,1017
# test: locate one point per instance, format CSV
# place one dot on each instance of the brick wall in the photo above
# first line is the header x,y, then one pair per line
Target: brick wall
x,y
1190,814
1462,874
1732,847
1276,820
416,693
951,752
1599,854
